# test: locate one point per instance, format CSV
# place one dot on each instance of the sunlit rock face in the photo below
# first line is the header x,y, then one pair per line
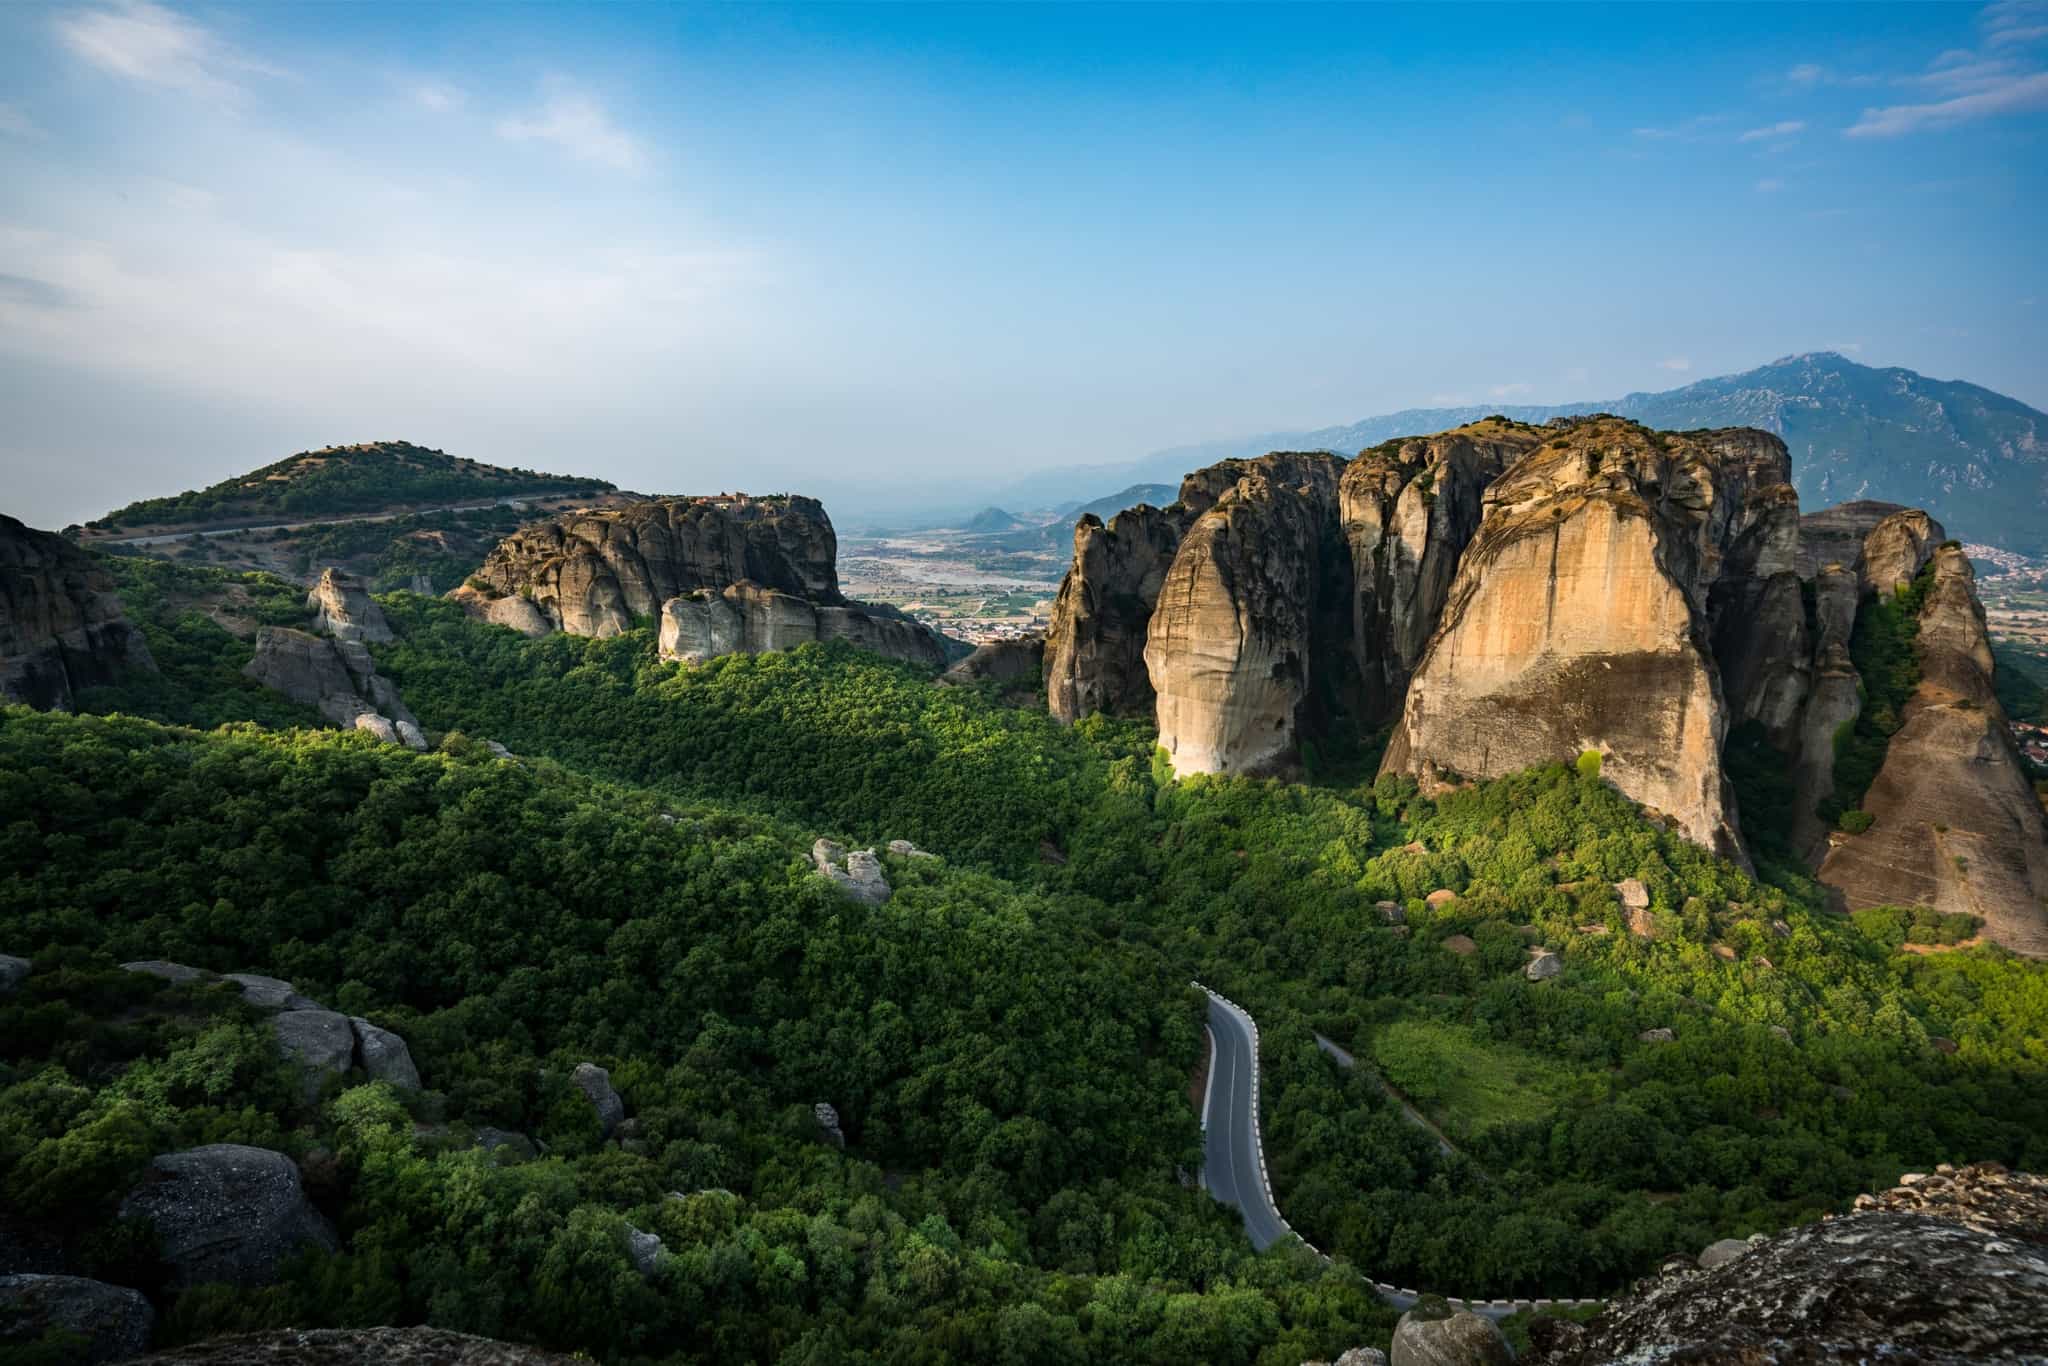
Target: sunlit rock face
x,y
1580,617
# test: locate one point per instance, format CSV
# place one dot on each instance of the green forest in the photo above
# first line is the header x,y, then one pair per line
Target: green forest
x,y
341,480
1010,1041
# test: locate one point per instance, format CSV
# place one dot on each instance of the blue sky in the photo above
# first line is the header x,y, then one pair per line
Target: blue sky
x,y
883,251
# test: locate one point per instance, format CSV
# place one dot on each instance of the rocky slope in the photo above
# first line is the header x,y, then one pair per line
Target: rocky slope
x,y
1580,617
61,627
725,574
1957,826
1949,1268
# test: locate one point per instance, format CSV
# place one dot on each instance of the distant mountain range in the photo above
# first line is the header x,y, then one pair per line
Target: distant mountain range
x,y
1976,459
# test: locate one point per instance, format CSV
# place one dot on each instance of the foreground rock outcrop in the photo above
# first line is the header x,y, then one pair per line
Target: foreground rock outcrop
x,y
61,625
1580,617
1957,826
727,574
1433,1334
226,1212
351,1346
1948,1269
108,1322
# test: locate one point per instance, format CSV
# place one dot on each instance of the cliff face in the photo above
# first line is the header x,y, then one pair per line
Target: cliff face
x,y
724,575
1410,507
1580,616
1095,644
61,627
1957,825
1233,646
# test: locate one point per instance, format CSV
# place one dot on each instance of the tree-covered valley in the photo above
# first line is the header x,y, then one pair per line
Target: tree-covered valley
x,y
1011,1041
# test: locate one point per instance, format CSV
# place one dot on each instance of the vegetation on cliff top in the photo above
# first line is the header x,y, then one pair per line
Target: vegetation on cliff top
x,y
339,480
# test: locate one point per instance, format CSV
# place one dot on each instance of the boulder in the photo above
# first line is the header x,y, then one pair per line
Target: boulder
x,y
1543,967
1661,1034
644,1249
828,1123
858,874
378,726
1634,895
171,972
596,1085
1442,896
226,1212
13,972
410,735
114,1322
1433,1335
343,608
268,993
519,1145
61,625
1390,912
1641,923
320,1042
1726,1250
1943,1271
1462,945
384,1055
905,849
1356,1356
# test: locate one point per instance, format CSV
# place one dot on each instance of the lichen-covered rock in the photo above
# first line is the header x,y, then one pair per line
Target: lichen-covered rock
x,y
1432,1335
61,626
591,573
113,1322
1095,644
320,1042
644,1249
269,993
1948,1269
13,972
1579,619
1958,826
344,609
226,1212
1237,634
1409,508
384,1055
354,1346
596,1085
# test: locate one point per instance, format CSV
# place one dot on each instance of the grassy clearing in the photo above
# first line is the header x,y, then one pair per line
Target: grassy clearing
x,y
1469,1084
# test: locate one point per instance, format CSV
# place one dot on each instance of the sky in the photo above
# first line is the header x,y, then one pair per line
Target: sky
x,y
891,253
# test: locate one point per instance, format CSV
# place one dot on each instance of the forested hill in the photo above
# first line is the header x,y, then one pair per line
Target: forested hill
x,y
339,481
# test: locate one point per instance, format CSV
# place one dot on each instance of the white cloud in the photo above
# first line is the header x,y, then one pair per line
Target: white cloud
x,y
2012,96
1769,185
1807,73
157,46
437,97
1514,390
1679,363
578,125
1784,128
2012,22
15,122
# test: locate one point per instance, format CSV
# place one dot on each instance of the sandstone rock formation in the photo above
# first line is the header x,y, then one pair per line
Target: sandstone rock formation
x,y
226,1212
828,1123
344,609
746,618
61,627
354,1346
1951,1274
335,677
725,574
857,873
113,1322
1580,616
1238,632
1095,645
1957,824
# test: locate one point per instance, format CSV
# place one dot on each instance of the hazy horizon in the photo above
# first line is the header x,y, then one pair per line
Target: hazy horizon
x,y
690,248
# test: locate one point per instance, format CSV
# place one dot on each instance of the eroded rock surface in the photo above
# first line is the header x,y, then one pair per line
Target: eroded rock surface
x,y
61,625
1957,826
1432,1334
319,1042
335,677
113,1321
746,618
1095,645
344,609
858,873
1950,1268
226,1212
384,1055
596,1085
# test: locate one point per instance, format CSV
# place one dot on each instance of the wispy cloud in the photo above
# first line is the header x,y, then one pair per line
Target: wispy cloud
x,y
1998,79
1784,128
437,97
1681,364
578,125
156,46
1688,130
1769,185
15,123
1514,390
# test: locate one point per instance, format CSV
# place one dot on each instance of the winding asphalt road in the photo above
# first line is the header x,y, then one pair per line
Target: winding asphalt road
x,y
1233,1167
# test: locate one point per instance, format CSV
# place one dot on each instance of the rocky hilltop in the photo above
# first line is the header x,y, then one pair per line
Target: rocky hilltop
x,y
723,574
61,625
1503,595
